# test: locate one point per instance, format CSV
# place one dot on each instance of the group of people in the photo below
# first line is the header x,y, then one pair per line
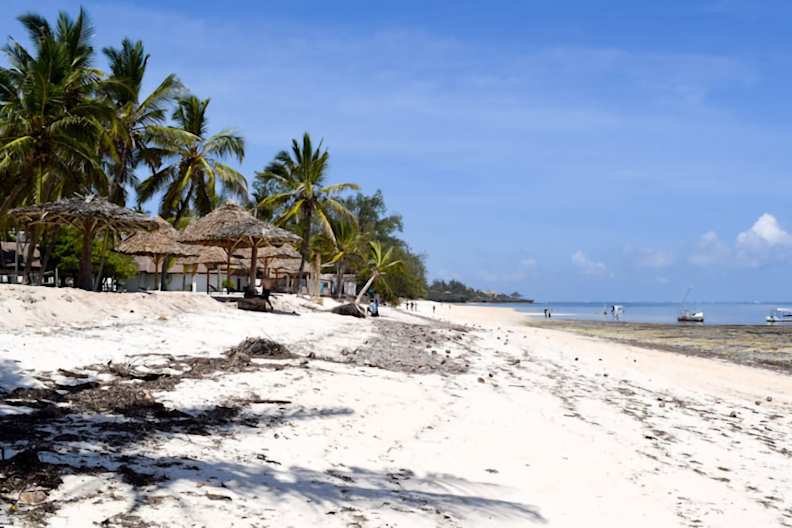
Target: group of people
x,y
548,313
411,306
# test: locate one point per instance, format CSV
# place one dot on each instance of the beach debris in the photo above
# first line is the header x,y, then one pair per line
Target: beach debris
x,y
261,347
33,497
217,497
350,309
481,380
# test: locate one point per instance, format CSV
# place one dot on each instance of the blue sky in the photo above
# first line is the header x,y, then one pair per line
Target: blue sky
x,y
568,150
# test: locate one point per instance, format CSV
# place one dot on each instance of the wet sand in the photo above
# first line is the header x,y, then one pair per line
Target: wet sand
x,y
766,346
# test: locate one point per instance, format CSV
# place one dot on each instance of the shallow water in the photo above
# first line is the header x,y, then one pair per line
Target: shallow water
x,y
714,313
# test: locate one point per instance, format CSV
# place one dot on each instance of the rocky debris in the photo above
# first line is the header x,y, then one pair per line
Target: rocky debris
x,y
351,309
403,347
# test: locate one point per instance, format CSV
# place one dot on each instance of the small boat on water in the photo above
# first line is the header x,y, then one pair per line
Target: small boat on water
x,y
780,315
689,316
686,316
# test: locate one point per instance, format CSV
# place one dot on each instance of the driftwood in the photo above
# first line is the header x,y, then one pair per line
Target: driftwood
x,y
350,309
255,304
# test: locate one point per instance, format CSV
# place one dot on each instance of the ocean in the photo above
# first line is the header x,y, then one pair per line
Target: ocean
x,y
743,313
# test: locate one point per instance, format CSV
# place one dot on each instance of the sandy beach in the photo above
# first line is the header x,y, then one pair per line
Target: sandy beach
x,y
144,410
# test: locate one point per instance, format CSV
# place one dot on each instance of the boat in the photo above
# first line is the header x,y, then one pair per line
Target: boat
x,y
689,316
686,316
780,315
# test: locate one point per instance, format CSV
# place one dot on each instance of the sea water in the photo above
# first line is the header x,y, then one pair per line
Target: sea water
x,y
744,313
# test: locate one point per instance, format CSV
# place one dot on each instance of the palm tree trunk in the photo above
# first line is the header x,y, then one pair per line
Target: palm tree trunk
x,y
339,279
304,247
102,261
32,240
252,277
366,287
47,252
85,278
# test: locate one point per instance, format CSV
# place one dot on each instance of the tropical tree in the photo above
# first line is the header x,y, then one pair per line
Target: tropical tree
x,y
347,249
136,126
49,120
196,177
300,192
379,264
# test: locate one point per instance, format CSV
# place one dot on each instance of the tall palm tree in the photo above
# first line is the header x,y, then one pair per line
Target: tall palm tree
x,y
136,125
379,263
196,176
49,120
301,192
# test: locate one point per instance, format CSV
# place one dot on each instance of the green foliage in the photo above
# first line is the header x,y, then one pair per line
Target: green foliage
x,y
377,224
456,291
68,248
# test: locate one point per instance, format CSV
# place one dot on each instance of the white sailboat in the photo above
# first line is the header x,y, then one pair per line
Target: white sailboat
x,y
689,316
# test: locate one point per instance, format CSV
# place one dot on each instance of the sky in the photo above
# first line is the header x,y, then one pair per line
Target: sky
x,y
578,151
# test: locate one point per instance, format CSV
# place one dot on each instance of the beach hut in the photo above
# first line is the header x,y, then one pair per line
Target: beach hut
x,y
92,215
157,244
230,227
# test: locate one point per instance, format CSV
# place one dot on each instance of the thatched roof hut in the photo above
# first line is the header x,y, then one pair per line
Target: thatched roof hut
x,y
92,215
231,227
80,211
207,255
162,242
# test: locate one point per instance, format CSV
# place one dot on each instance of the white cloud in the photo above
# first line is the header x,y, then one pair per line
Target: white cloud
x,y
651,258
588,266
528,263
765,240
766,232
710,250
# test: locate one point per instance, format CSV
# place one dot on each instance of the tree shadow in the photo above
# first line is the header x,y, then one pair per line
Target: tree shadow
x,y
351,487
11,376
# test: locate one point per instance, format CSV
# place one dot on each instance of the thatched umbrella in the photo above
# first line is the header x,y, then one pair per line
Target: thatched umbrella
x,y
208,256
91,214
230,227
162,242
268,253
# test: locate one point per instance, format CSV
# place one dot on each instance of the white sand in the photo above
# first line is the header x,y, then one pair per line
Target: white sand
x,y
529,435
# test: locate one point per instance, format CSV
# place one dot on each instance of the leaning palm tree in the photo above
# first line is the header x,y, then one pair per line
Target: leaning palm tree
x,y
380,262
135,124
301,192
196,176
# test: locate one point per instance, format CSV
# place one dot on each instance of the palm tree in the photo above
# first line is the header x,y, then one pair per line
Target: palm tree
x,y
301,192
49,121
347,249
196,178
135,125
379,264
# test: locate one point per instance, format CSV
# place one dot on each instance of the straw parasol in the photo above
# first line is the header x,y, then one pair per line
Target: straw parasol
x,y
92,215
230,227
268,253
208,256
162,242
